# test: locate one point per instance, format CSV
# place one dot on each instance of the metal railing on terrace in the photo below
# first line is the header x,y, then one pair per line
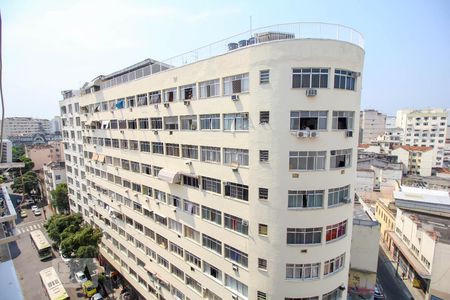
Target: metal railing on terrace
x,y
299,30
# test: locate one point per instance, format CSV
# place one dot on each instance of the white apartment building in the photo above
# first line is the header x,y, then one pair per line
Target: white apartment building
x,y
56,124
417,160
371,124
6,151
391,122
426,128
421,242
54,173
231,177
17,126
392,138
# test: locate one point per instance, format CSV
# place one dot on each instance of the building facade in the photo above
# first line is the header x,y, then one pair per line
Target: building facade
x,y
6,151
45,153
17,126
416,160
425,128
54,173
184,170
372,124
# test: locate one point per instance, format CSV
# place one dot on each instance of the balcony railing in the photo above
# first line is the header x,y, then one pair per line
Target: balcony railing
x,y
300,30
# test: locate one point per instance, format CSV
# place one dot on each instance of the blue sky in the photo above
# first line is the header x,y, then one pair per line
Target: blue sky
x,y
49,46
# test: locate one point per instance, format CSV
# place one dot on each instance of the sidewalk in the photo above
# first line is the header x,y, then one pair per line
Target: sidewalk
x,y
407,288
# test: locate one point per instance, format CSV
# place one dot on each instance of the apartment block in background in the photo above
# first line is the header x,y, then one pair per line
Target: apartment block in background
x,y
54,173
42,154
205,186
17,126
416,160
425,128
6,151
371,124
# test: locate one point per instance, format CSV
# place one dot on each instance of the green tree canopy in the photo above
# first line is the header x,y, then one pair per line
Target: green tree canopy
x,y
60,199
30,182
17,152
61,227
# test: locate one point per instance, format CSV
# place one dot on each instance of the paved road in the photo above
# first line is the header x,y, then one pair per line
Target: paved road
x,y
393,287
28,265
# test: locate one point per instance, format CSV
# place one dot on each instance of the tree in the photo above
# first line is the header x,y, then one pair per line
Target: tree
x,y
17,152
60,199
61,227
82,243
30,182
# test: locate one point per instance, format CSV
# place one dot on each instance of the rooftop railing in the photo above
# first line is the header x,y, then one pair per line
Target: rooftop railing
x,y
299,30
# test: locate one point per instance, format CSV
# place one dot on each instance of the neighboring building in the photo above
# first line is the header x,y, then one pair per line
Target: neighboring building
x,y
421,241
417,160
425,128
35,139
385,212
391,122
369,148
446,163
45,153
54,173
391,139
56,125
6,151
18,126
364,253
372,124
375,173
443,173
177,169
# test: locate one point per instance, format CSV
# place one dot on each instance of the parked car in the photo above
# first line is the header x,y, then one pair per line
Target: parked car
x,y
64,259
80,277
23,214
378,294
89,288
37,212
97,296
34,207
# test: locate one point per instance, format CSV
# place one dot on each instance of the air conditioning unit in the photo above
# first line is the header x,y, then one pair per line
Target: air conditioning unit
x,y
349,133
166,105
188,162
235,267
187,102
313,133
234,166
155,132
311,92
235,97
302,134
234,297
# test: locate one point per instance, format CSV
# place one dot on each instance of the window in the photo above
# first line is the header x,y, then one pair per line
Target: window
x,y
235,156
176,249
210,154
264,155
310,78
170,95
235,84
191,207
211,215
131,101
156,123
174,200
303,236
143,123
155,97
339,195
262,264
345,80
172,149
132,124
333,265
191,234
343,120
209,88
236,285
171,123
125,164
302,271
307,160
193,284
333,295
177,272
305,199
123,144
188,122
187,92
237,256
175,226
263,229
264,117
212,244
211,184
212,271
235,190
336,231
309,120
163,262
263,193
145,146
236,224
113,124
146,169
142,100
189,151
193,259
264,76
190,181
210,122
235,122
157,148
340,158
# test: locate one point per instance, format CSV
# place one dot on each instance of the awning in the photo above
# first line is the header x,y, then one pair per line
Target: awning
x,y
413,261
105,124
101,158
169,176
94,156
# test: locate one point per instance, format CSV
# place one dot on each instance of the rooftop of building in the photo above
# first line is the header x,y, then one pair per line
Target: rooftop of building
x,y
55,165
436,226
422,195
415,148
443,170
249,38
364,146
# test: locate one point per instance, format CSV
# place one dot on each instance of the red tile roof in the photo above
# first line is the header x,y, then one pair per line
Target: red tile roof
x,y
415,148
